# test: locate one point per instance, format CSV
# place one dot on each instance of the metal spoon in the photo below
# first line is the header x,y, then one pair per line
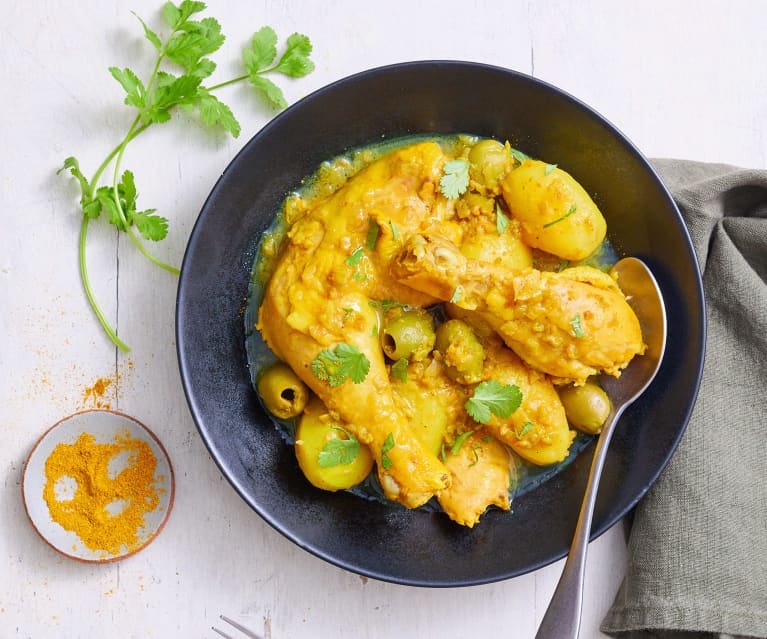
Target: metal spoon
x,y
563,616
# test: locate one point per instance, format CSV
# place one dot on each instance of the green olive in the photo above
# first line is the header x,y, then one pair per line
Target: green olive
x,y
282,392
462,353
586,407
409,334
490,161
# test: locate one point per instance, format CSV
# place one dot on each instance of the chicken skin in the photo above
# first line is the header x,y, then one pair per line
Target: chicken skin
x,y
320,293
480,472
570,325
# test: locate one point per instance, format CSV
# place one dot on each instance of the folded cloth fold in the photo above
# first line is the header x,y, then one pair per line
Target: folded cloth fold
x,y
698,544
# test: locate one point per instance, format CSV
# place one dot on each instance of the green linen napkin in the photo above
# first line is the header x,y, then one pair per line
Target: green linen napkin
x,y
697,562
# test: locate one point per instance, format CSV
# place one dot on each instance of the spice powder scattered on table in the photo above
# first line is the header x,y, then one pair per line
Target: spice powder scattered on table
x,y
109,500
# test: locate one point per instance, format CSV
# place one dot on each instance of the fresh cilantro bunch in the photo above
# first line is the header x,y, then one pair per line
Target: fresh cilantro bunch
x,y
185,50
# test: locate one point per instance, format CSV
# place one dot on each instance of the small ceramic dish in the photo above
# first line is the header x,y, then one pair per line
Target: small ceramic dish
x,y
106,427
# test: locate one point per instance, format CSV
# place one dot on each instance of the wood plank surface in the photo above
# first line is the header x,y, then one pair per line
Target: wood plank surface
x,y
682,79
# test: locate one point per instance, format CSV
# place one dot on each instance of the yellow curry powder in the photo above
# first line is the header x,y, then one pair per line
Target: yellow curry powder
x,y
108,506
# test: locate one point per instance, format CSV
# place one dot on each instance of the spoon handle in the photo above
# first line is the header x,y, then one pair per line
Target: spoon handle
x,y
563,616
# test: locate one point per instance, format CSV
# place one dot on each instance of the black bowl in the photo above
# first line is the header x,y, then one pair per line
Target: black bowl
x,y
373,539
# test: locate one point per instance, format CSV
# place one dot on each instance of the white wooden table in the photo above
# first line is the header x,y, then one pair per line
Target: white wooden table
x,y
685,80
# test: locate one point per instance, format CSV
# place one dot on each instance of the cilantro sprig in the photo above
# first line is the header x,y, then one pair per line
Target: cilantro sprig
x,y
455,179
175,82
343,362
339,451
493,398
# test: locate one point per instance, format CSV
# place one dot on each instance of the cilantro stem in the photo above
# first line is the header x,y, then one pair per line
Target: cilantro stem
x,y
129,137
89,292
220,85
132,133
149,256
227,83
126,224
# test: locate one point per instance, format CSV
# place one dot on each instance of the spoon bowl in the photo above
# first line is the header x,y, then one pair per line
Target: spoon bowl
x,y
563,616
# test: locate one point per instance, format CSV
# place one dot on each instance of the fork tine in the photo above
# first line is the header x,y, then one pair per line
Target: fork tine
x,y
240,627
223,634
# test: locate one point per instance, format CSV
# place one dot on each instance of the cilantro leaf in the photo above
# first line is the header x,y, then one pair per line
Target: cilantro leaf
x,y
373,231
356,257
182,90
339,451
518,155
493,398
148,33
271,91
204,68
457,294
214,112
171,91
295,62
455,179
576,324
73,166
134,88
526,428
193,41
176,16
262,51
127,190
343,362
152,227
387,446
399,369
105,196
459,441
570,211
171,14
501,221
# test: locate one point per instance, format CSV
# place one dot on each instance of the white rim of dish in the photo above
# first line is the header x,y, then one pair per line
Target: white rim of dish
x,y
110,557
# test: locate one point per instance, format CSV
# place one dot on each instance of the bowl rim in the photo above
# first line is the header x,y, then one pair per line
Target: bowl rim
x,y
275,122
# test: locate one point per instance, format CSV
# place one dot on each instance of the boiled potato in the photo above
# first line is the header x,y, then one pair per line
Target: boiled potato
x,y
429,419
556,213
542,446
315,431
506,250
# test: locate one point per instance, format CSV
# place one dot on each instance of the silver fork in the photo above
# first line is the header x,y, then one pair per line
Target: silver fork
x,y
240,627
